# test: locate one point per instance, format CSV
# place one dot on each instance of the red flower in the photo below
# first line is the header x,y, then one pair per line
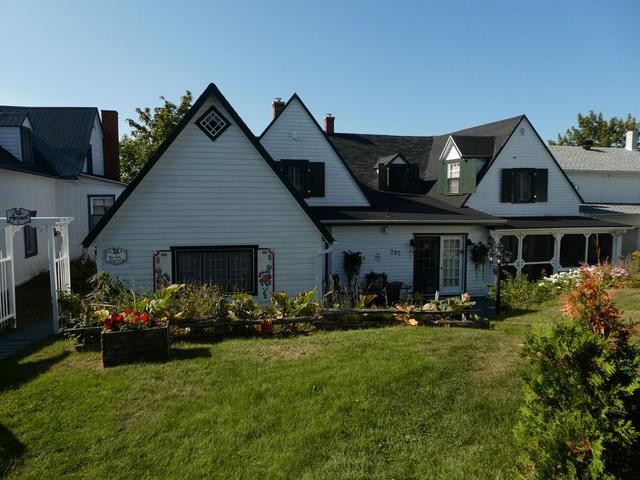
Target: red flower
x,y
136,318
144,318
127,312
136,312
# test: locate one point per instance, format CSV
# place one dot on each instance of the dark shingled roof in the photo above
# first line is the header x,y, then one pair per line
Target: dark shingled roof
x,y
558,222
60,137
396,208
12,119
474,146
361,152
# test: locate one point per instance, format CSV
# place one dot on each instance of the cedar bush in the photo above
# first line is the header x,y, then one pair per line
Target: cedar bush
x,y
580,416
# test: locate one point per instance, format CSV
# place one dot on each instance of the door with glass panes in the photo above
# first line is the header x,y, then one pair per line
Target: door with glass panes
x,y
451,264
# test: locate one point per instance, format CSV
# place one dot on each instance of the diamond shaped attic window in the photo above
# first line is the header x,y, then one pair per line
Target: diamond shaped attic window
x,y
213,123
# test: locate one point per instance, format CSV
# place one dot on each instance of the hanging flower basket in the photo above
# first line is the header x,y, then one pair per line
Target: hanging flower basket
x,y
352,264
479,254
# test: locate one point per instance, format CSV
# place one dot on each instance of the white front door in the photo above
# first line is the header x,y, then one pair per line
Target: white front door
x,y
451,264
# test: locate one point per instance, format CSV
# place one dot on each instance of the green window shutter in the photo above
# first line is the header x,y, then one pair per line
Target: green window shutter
x,y
468,175
316,179
383,174
442,179
506,193
541,184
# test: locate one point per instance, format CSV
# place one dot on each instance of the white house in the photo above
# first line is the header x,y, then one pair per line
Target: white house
x,y
59,162
212,206
216,204
608,179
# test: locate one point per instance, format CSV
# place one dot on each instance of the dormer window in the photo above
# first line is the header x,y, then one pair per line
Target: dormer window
x,y
395,174
213,123
453,178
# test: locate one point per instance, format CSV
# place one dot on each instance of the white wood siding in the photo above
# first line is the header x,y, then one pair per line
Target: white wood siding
x,y
207,193
72,200
35,193
310,144
607,187
49,197
525,151
375,245
10,141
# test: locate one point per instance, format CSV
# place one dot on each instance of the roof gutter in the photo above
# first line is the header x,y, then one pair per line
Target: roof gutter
x,y
414,222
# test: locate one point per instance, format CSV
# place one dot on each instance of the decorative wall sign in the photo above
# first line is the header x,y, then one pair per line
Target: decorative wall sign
x,y
266,273
18,216
161,269
115,255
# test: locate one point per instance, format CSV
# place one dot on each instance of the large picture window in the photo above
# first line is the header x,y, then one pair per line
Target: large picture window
x,y
232,268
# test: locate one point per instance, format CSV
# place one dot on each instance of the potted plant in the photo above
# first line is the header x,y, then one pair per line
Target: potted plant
x,y
132,336
352,264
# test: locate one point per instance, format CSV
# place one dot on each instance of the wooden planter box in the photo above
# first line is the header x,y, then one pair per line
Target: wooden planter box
x,y
148,345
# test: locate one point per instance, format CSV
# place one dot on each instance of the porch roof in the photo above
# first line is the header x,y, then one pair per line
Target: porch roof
x,y
558,223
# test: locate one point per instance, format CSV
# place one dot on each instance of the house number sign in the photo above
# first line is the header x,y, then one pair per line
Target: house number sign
x,y
115,255
18,216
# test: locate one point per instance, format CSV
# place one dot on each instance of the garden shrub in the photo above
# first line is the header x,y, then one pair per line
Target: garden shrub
x,y
579,419
81,272
517,292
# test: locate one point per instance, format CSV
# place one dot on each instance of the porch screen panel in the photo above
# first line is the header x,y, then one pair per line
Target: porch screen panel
x,y
572,248
537,248
510,244
600,248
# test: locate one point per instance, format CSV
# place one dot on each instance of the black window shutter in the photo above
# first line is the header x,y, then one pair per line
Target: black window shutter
x,y
541,184
27,150
316,179
414,178
383,173
89,160
506,193
306,179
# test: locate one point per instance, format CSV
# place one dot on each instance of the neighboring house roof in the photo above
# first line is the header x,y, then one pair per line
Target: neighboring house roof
x,y
610,208
558,222
9,162
474,146
60,137
597,159
211,90
361,151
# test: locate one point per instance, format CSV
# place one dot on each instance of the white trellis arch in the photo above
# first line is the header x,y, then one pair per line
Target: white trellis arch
x,y
59,270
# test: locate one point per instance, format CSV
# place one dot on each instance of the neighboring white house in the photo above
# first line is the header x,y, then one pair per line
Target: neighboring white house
x,y
608,179
59,162
215,204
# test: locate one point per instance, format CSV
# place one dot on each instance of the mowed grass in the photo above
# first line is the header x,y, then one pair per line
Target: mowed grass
x,y
400,402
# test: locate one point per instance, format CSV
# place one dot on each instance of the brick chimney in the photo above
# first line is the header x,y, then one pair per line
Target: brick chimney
x,y
631,140
111,144
329,123
277,106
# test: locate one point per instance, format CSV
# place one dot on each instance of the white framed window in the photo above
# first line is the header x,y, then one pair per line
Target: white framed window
x,y
232,268
98,206
453,177
213,123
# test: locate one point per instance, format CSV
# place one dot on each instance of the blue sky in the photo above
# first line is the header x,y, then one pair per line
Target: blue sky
x,y
393,67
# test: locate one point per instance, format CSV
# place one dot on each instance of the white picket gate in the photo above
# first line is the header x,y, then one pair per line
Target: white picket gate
x,y
7,292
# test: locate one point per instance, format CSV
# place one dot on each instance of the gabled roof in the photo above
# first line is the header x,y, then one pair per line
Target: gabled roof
x,y
211,90
322,132
474,146
60,136
597,159
388,159
360,151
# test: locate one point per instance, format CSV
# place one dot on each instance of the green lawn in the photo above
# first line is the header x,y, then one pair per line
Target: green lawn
x,y
401,402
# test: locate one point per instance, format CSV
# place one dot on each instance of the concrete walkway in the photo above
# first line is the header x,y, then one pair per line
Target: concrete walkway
x,y
18,340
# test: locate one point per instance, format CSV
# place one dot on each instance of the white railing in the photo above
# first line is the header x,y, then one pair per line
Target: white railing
x,y
7,292
63,282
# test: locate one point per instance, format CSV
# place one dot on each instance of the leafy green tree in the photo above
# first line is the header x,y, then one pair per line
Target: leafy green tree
x,y
148,132
593,127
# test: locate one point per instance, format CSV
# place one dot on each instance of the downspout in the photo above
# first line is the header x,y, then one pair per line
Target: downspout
x,y
326,251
